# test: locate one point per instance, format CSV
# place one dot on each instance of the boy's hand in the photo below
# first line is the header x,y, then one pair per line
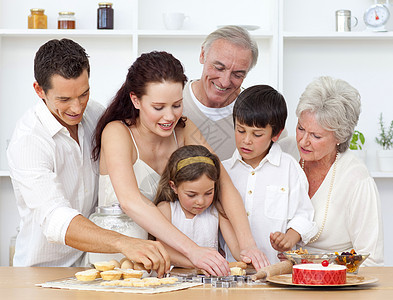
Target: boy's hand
x,y
284,241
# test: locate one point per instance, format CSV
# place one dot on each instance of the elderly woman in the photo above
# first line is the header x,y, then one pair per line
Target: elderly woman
x,y
344,195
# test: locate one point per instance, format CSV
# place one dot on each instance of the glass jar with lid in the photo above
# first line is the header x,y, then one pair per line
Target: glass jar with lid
x,y
105,15
37,19
66,20
113,218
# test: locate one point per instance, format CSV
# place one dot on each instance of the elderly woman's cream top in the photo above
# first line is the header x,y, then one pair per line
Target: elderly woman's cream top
x,y
354,215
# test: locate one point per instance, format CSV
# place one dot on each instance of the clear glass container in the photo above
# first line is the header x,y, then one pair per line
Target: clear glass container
x,y
105,15
113,218
37,19
66,20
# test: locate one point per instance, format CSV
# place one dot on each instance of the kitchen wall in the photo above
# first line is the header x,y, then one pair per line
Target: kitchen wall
x,y
293,50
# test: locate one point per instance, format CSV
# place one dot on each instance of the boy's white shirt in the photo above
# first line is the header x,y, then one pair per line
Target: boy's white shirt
x,y
275,196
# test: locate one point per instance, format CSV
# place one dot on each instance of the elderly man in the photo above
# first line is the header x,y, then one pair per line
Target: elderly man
x,y
227,55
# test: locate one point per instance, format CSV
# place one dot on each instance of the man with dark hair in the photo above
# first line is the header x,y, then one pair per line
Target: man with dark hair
x,y
54,178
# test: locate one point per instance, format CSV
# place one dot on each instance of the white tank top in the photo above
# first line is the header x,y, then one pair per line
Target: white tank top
x,y
202,229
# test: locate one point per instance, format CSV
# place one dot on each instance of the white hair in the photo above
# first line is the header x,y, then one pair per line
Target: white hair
x,y
336,106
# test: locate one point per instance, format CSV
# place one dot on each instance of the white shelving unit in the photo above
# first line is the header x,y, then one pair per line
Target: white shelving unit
x,y
296,39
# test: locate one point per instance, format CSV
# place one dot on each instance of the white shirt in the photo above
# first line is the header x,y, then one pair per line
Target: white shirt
x,y
213,113
354,219
275,195
54,180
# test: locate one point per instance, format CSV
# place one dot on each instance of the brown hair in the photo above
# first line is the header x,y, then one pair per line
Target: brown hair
x,y
59,57
189,172
149,67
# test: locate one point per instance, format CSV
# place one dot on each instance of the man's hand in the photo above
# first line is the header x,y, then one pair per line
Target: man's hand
x,y
151,254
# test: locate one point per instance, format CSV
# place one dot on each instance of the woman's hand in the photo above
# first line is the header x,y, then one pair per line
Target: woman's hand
x,y
210,261
255,256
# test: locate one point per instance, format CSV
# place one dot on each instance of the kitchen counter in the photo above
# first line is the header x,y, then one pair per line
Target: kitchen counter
x,y
19,283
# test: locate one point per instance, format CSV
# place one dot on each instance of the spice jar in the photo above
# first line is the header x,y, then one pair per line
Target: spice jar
x,y
105,15
37,19
113,218
66,20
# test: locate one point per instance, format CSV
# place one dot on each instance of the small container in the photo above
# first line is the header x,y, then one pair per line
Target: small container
x,y
66,20
105,15
37,19
344,20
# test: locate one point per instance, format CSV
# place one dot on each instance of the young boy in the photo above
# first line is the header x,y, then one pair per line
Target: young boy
x,y
273,186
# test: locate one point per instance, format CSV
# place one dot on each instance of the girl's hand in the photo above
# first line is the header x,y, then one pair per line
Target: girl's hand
x,y
254,256
210,261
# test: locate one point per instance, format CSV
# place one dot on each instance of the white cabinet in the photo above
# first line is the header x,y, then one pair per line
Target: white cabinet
x,y
296,38
138,28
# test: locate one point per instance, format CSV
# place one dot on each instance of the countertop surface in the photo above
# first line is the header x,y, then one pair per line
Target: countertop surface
x,y
20,283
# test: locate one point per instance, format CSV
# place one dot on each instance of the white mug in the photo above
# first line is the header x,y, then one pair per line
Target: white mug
x,y
174,20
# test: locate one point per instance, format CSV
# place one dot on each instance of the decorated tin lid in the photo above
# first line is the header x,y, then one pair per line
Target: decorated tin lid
x,y
105,4
62,13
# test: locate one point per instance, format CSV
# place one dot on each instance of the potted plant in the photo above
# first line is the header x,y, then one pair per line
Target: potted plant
x,y
385,139
357,143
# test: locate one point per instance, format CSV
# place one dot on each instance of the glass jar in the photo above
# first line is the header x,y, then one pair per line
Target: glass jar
x,y
113,218
12,247
66,20
105,15
37,19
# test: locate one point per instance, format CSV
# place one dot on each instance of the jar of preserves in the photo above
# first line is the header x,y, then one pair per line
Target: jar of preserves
x,y
66,20
113,218
37,19
105,15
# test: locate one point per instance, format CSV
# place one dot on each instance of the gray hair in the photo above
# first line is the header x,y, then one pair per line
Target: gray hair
x,y
336,106
235,35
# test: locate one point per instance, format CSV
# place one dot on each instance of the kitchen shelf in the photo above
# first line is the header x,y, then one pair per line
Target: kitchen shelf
x,y
4,173
193,34
377,174
339,35
160,34
68,32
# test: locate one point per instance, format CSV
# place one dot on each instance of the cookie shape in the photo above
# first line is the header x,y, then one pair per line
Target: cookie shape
x,y
111,275
87,275
237,271
130,273
104,266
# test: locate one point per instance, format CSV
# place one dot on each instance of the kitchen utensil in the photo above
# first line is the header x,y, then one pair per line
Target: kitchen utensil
x,y
283,267
376,17
344,20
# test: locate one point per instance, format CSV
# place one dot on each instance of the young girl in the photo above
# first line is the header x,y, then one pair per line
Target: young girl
x,y
188,196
